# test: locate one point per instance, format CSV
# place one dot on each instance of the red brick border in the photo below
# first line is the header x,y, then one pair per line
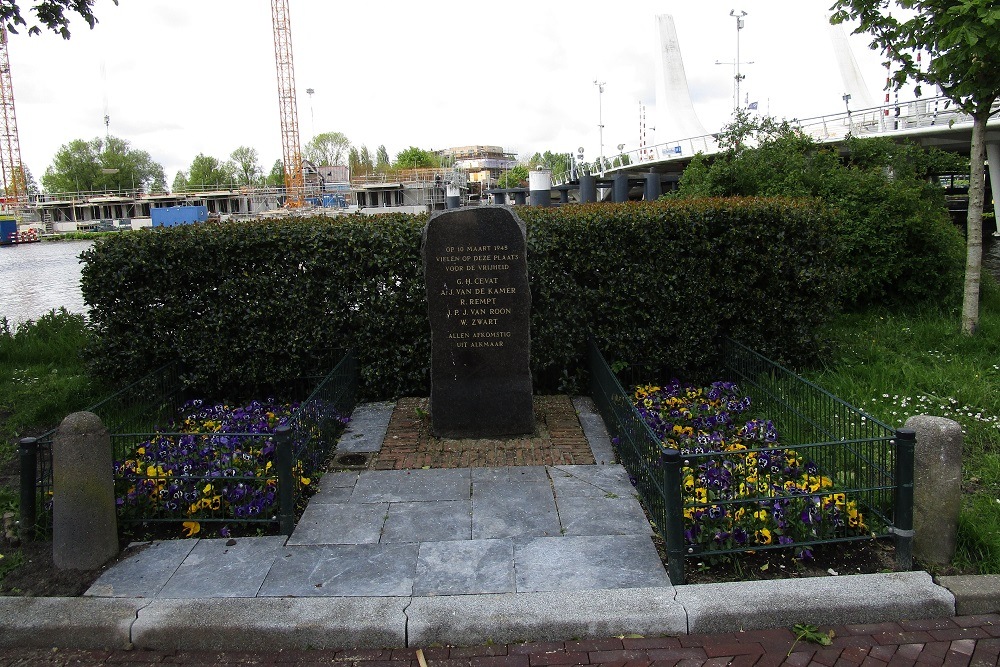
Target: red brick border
x,y
558,440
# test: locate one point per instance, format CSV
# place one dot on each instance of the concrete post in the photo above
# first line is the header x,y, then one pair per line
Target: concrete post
x,y
84,524
652,190
520,197
937,487
619,191
588,189
500,198
540,186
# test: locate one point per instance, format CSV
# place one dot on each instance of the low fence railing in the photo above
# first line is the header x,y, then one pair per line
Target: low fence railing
x,y
798,468
190,463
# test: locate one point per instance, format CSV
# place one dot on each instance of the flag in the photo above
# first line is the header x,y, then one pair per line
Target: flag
x,y
752,106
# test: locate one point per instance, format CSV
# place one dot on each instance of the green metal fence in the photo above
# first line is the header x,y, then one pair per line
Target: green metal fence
x,y
192,463
846,475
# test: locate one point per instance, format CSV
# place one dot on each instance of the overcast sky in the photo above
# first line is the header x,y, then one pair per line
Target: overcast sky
x,y
182,77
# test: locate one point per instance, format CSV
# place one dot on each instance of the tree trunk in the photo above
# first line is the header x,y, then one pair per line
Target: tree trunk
x,y
974,222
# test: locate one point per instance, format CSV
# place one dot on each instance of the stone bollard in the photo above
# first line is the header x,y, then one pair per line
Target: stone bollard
x,y
937,488
84,524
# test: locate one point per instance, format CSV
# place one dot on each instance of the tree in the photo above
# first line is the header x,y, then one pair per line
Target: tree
x,y
276,178
208,172
963,38
102,164
558,163
25,183
365,160
245,165
354,161
517,177
415,158
180,182
382,159
51,14
328,148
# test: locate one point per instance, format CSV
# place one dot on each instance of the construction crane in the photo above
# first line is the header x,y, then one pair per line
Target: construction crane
x,y
14,181
294,181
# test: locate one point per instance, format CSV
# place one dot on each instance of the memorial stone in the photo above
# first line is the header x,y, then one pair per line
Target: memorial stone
x,y
479,304
84,525
937,487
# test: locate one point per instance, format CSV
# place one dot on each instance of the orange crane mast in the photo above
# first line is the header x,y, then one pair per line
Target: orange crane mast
x,y
14,181
294,181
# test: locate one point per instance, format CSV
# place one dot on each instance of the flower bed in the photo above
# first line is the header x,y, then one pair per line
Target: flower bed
x,y
213,463
741,488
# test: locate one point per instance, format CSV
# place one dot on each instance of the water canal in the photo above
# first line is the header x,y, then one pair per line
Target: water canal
x,y
38,277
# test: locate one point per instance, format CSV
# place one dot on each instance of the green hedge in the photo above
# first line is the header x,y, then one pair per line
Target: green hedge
x,y
245,305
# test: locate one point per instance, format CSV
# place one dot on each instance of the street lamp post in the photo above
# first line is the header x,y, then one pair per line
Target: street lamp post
x,y
738,14
847,103
312,118
600,120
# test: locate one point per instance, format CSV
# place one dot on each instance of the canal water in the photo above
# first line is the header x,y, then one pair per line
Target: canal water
x,y
38,277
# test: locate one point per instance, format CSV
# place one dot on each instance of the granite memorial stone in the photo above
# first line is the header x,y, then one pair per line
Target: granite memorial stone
x,y
937,487
479,304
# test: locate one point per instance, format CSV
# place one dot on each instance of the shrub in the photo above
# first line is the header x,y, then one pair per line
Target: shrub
x,y
245,305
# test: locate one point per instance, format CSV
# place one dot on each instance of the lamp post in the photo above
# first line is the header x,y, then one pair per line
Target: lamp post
x,y
600,119
312,117
738,14
847,103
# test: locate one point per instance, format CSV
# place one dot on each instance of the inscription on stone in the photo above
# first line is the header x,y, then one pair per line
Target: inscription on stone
x,y
476,271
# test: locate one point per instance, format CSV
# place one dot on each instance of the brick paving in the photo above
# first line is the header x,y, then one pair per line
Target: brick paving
x,y
972,641
409,445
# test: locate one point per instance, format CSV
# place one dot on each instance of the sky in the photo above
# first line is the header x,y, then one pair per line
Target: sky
x,y
181,77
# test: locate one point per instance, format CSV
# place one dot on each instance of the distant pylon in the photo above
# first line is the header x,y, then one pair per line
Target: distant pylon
x,y
14,179
287,105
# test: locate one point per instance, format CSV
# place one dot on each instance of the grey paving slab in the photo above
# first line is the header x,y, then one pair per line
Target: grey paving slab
x,y
344,523
483,477
500,510
586,515
428,521
591,480
409,485
339,479
465,567
578,563
270,624
366,429
974,594
221,568
351,570
594,430
330,495
144,572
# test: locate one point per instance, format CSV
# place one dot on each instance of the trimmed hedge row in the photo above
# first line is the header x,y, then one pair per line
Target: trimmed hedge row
x,y
248,305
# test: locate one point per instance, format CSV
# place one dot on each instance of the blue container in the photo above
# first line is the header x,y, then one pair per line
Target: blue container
x,y
171,216
7,229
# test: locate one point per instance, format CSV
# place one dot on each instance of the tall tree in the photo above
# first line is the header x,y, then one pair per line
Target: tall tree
x,y
102,164
963,38
517,177
558,163
245,165
208,172
50,13
180,182
414,158
382,159
328,148
354,162
365,160
276,177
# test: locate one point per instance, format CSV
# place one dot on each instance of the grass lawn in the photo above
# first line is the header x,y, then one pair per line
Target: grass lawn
x,y
895,364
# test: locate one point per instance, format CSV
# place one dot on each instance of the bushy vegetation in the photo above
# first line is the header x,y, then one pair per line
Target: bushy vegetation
x,y
895,242
247,304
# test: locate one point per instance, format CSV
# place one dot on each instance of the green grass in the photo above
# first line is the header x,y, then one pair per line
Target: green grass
x,y
897,364
43,377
